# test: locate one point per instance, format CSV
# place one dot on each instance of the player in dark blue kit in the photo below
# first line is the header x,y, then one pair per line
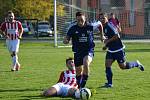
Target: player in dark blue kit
x,y
115,50
81,35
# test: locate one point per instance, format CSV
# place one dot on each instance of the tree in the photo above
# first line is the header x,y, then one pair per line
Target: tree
x,y
5,6
39,9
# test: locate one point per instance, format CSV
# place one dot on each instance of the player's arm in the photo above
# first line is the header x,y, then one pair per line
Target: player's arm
x,y
20,29
61,77
118,26
102,37
3,29
68,36
107,41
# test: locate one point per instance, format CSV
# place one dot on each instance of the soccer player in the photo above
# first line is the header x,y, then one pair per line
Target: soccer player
x,y
66,85
114,20
115,50
81,35
12,30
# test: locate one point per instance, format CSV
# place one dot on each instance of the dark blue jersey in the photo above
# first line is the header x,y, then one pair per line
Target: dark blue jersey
x,y
109,32
82,38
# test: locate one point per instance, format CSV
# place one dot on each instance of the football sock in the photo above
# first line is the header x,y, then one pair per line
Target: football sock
x,y
15,60
84,80
78,80
130,65
109,75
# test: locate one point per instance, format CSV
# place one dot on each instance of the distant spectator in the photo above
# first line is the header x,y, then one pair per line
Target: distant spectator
x,y
114,20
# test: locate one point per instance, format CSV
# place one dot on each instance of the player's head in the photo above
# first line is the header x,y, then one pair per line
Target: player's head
x,y
103,18
10,16
112,15
70,63
80,17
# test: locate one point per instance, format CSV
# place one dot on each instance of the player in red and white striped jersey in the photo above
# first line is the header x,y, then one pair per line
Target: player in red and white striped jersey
x,y
12,30
66,85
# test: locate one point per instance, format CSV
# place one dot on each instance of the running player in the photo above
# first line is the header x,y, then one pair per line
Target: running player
x,y
12,30
83,45
115,50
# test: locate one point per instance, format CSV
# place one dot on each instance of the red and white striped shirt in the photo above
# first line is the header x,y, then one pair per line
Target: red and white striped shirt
x,y
68,77
11,29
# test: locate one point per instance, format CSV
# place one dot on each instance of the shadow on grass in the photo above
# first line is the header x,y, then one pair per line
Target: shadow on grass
x,y
18,90
33,97
42,97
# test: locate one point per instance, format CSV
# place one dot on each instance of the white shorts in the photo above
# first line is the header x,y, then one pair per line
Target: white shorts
x,y
62,90
13,45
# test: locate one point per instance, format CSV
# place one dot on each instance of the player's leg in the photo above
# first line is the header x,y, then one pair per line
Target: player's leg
x,y
127,65
50,92
15,49
55,90
108,70
79,68
86,64
9,47
74,93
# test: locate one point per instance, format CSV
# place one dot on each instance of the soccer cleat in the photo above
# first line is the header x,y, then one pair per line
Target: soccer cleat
x,y
107,85
140,66
17,67
13,69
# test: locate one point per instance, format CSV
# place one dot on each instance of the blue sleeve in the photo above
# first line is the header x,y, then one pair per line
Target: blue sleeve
x,y
69,32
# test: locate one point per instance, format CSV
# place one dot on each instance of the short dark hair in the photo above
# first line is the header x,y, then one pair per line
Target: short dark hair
x,y
69,58
9,12
79,13
112,14
103,14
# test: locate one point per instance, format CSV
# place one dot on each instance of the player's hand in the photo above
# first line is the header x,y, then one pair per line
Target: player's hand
x,y
6,36
103,38
65,41
19,37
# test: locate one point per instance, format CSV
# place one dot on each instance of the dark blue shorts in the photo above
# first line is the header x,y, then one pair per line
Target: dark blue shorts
x,y
119,56
79,56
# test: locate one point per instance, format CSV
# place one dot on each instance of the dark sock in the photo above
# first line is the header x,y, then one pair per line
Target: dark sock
x,y
130,65
109,75
84,80
78,80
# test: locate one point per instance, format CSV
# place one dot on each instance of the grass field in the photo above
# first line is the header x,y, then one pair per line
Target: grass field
x,y
42,64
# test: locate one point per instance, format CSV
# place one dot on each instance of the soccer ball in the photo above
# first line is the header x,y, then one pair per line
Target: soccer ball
x,y
85,94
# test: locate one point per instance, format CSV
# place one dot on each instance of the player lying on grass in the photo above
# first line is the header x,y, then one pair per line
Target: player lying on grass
x,y
67,84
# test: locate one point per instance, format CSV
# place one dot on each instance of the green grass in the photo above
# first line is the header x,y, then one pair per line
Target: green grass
x,y
42,64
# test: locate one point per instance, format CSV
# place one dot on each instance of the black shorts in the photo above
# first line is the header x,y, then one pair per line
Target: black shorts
x,y
79,56
119,56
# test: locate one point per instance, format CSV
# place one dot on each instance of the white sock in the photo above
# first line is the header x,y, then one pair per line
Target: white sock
x,y
15,61
77,94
